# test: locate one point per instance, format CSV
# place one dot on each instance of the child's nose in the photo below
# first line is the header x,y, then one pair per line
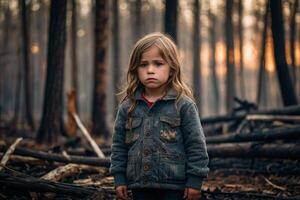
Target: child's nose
x,y
150,68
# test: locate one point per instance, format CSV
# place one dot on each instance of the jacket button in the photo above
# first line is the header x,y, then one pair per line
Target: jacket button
x,y
146,152
147,132
146,167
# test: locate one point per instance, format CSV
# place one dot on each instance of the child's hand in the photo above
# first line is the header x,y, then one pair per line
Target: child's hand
x,y
191,194
122,192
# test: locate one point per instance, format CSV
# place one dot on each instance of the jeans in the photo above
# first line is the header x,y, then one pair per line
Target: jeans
x,y
157,194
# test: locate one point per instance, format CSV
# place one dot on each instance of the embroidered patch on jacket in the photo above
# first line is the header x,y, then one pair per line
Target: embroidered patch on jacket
x,y
168,135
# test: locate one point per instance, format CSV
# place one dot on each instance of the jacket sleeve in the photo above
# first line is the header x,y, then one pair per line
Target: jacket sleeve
x,y
119,149
194,146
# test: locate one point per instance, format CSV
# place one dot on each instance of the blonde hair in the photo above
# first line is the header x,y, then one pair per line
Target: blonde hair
x,y
169,53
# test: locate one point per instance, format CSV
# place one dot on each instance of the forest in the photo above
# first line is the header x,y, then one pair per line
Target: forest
x,y
63,64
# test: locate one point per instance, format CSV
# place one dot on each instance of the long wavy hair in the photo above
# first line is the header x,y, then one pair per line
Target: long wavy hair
x,y
169,53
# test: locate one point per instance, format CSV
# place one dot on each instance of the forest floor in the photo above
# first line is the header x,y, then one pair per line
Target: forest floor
x,y
230,178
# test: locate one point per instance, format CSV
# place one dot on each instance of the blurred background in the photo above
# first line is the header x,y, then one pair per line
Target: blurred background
x,y
226,49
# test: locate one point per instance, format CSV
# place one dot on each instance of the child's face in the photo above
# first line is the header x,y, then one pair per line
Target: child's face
x,y
153,71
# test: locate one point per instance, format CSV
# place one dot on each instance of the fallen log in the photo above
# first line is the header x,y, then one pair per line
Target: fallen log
x,y
254,150
70,169
104,162
25,182
238,150
261,117
289,110
265,135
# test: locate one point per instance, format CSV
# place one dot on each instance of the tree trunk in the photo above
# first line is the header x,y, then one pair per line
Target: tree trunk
x,y
285,83
27,63
212,33
74,52
197,50
52,123
230,74
293,41
171,18
262,72
241,60
72,102
116,48
136,18
101,45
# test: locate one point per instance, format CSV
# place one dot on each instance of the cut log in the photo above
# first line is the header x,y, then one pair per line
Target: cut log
x,y
104,162
25,182
274,134
10,151
289,110
254,150
261,117
70,169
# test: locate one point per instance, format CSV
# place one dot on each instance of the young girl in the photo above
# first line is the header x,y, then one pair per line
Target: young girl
x,y
158,148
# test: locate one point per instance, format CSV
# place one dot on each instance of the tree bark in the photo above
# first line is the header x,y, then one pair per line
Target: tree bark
x,y
254,150
95,161
116,48
171,18
286,87
230,74
212,31
101,46
290,110
241,44
136,18
269,135
52,123
197,50
262,72
27,64
74,52
293,41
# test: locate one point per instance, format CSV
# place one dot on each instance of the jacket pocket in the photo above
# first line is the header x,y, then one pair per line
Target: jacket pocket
x,y
169,128
133,130
172,168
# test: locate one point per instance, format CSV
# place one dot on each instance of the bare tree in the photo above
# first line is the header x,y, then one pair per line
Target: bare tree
x,y
230,74
171,18
212,40
136,18
27,64
52,123
99,92
74,52
197,49
116,48
293,27
286,87
241,43
261,71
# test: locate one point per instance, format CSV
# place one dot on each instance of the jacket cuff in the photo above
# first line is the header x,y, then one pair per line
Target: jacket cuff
x,y
194,182
120,179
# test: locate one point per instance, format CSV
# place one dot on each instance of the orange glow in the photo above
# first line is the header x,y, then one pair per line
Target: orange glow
x,y
35,48
270,64
297,54
220,58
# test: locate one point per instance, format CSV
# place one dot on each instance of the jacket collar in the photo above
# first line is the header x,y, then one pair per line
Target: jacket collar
x,y
171,94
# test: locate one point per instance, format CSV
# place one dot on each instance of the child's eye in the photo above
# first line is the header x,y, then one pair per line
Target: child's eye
x,y
143,65
159,64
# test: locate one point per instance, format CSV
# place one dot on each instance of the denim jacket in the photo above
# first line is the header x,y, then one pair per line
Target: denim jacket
x,y
164,147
